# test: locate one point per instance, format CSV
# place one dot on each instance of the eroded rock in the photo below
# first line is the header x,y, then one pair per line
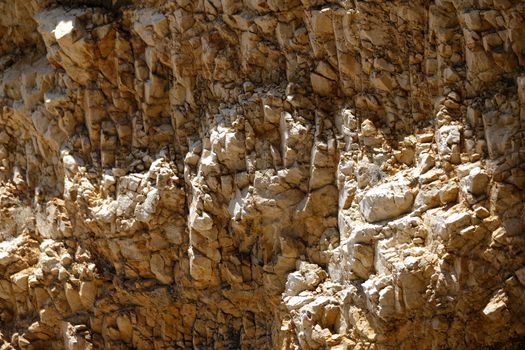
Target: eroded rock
x,y
262,174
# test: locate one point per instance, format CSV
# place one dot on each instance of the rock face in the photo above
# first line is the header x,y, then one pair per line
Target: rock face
x,y
386,201
262,174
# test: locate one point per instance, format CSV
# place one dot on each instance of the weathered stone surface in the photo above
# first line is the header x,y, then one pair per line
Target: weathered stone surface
x,y
386,201
262,174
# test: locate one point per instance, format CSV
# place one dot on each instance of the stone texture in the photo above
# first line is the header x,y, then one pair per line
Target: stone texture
x,y
386,201
262,174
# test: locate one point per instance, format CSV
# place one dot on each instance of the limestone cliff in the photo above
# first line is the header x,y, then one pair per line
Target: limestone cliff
x,y
262,174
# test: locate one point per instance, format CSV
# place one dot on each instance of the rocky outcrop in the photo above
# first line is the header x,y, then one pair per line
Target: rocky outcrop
x,y
262,174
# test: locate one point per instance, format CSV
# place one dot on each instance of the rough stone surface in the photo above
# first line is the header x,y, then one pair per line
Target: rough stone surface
x,y
386,201
262,174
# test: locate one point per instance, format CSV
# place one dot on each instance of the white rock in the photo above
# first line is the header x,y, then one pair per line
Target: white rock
x,y
145,211
386,201
445,223
202,222
294,284
386,303
70,163
496,309
363,233
296,302
6,258
447,136
425,162
477,181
